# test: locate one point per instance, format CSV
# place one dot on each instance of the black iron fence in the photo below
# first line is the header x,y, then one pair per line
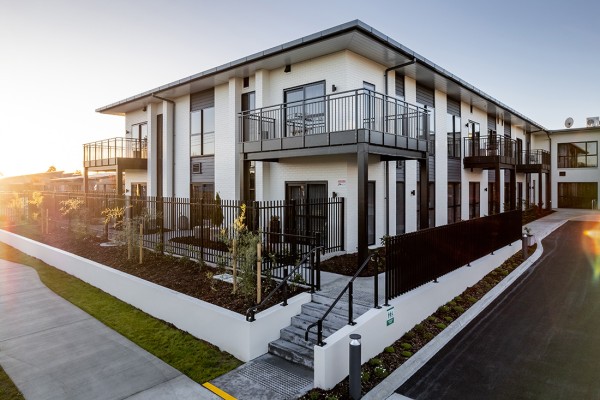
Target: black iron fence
x,y
416,258
488,146
196,228
107,151
338,112
535,157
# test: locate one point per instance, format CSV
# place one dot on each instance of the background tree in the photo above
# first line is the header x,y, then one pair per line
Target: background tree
x,y
52,168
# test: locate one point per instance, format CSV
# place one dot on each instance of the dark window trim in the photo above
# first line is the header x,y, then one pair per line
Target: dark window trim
x,y
304,86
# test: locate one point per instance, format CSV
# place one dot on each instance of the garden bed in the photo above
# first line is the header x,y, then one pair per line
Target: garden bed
x,y
177,273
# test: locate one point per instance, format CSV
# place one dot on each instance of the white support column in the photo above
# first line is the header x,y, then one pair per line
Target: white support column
x,y
151,112
441,159
263,170
168,149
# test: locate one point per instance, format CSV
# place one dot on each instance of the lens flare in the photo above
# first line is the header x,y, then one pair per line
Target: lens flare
x,y
594,251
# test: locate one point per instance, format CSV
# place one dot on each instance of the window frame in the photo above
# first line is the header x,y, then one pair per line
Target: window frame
x,y
572,161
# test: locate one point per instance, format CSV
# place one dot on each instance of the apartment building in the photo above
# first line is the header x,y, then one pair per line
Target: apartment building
x,y
575,174
346,112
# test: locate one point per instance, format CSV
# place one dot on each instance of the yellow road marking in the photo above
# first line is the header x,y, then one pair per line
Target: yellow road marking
x,y
218,391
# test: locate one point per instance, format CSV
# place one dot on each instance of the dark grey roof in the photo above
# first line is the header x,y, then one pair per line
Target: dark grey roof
x,y
398,55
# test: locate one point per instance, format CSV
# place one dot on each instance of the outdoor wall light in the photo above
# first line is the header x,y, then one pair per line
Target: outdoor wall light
x,y
288,68
412,192
333,88
485,189
334,194
144,109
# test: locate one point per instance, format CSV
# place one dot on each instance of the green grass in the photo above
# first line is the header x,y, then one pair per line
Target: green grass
x,y
8,390
199,360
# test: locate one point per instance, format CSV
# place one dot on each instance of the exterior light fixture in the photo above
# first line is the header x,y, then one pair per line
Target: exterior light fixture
x,y
288,68
333,88
412,192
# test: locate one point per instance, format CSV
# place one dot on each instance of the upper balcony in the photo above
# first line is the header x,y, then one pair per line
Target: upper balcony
x,y
490,152
336,124
534,161
121,152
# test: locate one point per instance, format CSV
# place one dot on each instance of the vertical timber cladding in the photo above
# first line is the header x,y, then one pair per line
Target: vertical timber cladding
x,y
202,168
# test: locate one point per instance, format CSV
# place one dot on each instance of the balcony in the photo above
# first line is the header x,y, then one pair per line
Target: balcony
x,y
490,152
534,161
124,153
336,124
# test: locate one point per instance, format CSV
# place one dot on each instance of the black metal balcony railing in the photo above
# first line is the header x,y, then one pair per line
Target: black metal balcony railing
x,y
106,152
339,112
490,146
534,157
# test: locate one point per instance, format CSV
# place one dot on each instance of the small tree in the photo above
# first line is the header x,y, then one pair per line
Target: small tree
x,y
217,214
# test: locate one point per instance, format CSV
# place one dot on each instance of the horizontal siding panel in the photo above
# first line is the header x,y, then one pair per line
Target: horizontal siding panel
x,y
454,170
453,107
425,96
492,122
399,85
201,100
208,170
400,175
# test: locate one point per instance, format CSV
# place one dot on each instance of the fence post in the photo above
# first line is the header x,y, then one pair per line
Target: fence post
x,y
202,228
141,243
129,235
234,265
318,264
350,301
258,273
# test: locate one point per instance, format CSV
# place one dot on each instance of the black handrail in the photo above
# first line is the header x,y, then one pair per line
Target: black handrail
x,y
251,312
349,286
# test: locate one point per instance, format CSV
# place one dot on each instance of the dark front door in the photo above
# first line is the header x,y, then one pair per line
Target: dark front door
x,y
307,215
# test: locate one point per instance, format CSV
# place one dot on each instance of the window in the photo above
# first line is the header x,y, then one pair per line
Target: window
x,y
472,145
305,109
430,205
453,125
202,132
196,168
251,124
474,200
578,155
492,198
453,202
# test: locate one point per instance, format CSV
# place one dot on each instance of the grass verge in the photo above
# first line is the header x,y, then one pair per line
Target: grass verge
x,y
199,360
8,390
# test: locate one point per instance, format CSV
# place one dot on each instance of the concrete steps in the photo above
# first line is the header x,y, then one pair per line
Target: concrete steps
x,y
291,344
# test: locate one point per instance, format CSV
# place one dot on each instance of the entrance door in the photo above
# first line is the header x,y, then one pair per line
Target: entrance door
x,y
305,109
309,215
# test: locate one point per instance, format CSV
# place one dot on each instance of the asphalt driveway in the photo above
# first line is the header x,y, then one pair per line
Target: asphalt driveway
x,y
539,340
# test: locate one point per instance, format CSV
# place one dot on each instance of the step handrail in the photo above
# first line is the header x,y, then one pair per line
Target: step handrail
x,y
349,287
251,312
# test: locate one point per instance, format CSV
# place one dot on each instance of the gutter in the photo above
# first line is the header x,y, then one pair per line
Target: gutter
x,y
385,73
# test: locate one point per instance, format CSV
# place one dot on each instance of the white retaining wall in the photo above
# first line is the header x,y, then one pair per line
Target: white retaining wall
x,y
331,360
226,329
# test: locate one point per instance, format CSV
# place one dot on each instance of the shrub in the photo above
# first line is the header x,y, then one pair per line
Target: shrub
x,y
458,309
380,372
419,328
444,309
390,349
440,325
375,362
365,376
428,335
449,319
406,354
409,335
431,318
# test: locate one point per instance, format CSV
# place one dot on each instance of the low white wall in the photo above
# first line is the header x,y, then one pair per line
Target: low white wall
x,y
226,329
331,360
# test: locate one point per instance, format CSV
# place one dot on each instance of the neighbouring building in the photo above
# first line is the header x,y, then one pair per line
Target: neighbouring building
x,y
346,112
575,174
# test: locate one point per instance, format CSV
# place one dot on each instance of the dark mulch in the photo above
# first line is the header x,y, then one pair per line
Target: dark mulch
x,y
376,369
347,264
206,243
180,274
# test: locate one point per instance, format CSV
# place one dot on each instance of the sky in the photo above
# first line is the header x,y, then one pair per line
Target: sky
x,y
62,59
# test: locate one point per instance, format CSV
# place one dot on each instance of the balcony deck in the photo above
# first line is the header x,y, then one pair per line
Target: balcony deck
x,y
534,162
336,124
108,154
490,152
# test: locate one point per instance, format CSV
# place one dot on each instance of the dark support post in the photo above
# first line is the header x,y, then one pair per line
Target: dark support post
x,y
85,181
119,182
245,178
548,191
524,246
362,160
513,189
540,191
496,190
350,303
424,199
354,381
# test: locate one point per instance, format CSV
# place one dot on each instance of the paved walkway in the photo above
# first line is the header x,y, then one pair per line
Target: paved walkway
x,y
541,228
539,339
53,350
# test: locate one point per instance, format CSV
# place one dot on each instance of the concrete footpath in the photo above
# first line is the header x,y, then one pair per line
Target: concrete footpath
x,y
53,350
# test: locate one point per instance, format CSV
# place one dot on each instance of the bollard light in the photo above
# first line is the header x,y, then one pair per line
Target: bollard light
x,y
354,381
524,248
